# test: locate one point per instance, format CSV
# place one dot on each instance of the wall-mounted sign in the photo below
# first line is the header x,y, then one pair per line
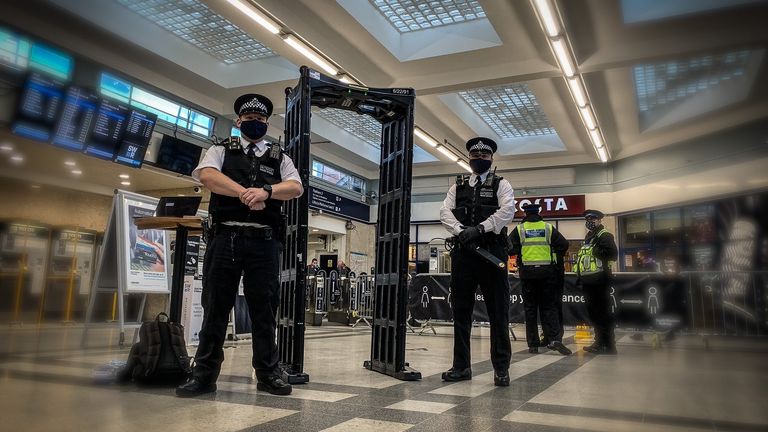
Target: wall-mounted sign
x,y
555,206
331,203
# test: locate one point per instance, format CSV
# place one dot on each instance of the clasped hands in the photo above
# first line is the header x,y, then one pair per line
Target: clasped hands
x,y
254,198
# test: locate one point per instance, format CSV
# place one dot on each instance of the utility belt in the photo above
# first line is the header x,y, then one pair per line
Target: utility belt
x,y
260,233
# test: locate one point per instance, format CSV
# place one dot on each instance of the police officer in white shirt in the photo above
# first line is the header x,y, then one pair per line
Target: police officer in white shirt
x,y
248,183
477,210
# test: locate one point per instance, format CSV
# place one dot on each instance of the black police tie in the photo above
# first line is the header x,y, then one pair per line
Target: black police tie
x,y
251,150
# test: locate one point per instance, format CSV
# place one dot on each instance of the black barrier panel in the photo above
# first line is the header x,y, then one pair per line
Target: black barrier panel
x,y
393,108
638,300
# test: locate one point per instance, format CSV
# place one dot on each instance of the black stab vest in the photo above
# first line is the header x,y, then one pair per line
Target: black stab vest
x,y
249,172
476,204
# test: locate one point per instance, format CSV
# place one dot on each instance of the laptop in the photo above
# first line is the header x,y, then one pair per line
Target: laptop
x,y
178,206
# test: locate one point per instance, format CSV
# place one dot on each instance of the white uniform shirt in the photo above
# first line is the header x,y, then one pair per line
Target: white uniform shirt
x,y
496,222
214,158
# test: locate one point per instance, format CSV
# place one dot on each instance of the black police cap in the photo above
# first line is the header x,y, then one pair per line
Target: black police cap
x,y
481,144
531,208
253,103
597,214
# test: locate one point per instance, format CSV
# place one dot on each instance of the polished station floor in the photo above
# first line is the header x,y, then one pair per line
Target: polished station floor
x,y
46,384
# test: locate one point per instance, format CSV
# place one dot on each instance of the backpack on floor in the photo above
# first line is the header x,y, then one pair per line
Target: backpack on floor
x,y
160,356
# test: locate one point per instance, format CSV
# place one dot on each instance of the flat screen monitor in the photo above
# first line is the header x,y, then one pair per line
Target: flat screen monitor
x,y
39,104
108,129
76,119
135,140
178,206
177,155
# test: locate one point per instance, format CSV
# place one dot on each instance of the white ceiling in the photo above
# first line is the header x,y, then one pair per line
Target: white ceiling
x,y
608,51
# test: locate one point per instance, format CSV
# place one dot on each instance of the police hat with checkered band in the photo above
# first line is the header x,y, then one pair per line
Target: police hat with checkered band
x,y
481,144
253,103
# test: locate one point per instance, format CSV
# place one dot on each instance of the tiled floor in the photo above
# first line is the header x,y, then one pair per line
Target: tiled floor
x,y
46,384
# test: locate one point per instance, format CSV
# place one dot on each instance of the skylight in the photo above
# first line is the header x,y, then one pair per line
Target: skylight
x,y
414,15
361,126
512,111
663,83
194,22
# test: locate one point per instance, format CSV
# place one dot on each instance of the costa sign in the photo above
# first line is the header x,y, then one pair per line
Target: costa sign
x,y
553,206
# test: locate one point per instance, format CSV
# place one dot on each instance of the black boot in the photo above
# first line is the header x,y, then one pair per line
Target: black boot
x,y
533,350
501,378
559,347
274,385
194,387
457,375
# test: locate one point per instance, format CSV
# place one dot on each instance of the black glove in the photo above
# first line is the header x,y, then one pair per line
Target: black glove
x,y
469,235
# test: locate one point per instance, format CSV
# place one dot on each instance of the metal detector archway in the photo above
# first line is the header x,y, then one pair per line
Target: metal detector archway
x,y
393,108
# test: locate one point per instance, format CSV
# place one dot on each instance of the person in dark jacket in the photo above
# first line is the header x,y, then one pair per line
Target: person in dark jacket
x,y
537,245
593,267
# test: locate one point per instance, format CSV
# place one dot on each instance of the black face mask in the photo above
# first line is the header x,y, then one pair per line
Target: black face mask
x,y
591,225
480,166
253,129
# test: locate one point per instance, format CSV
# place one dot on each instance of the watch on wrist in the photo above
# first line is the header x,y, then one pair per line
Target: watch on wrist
x,y
268,188
481,228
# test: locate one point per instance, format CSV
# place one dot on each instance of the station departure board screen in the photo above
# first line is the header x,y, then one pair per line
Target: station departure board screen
x,y
75,122
108,129
138,131
39,104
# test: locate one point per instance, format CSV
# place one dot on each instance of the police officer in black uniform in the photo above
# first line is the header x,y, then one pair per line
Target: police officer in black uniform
x,y
594,271
537,245
248,181
477,210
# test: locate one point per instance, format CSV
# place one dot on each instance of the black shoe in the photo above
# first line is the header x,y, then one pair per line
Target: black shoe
x,y
194,387
274,385
457,375
501,378
594,348
533,350
601,349
543,342
559,347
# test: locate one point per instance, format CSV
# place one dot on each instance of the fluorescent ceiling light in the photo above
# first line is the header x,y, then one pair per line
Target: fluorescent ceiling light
x,y
256,15
311,55
602,153
346,80
35,186
6,147
597,139
563,56
464,165
70,163
588,117
124,176
76,172
17,158
577,90
449,154
125,183
547,15
424,137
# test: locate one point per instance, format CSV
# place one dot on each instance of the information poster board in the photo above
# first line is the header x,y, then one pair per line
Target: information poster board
x,y
133,260
146,251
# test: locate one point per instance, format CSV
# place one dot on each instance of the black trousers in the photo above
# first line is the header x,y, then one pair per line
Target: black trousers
x,y
597,296
540,298
560,285
226,258
467,272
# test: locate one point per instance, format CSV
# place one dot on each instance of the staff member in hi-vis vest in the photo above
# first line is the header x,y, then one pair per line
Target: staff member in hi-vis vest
x,y
477,210
537,244
593,266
